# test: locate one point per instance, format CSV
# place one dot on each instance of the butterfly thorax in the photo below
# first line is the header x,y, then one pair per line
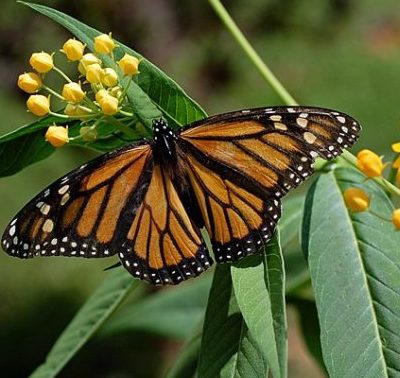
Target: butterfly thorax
x,y
164,143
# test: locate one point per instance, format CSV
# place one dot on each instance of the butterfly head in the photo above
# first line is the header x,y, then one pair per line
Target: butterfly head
x,y
164,138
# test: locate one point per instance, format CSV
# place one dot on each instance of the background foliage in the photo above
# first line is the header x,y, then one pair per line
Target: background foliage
x,y
338,54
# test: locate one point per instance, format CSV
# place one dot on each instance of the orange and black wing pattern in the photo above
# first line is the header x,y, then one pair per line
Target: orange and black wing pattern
x,y
161,244
78,215
240,164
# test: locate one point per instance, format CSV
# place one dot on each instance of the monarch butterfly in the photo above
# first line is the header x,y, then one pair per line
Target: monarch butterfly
x,y
147,201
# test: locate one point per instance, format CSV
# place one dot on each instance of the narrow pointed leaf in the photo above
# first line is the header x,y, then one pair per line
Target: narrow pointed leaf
x,y
296,270
89,318
227,347
354,264
258,282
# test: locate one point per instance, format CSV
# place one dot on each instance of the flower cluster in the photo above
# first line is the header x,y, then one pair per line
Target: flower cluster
x,y
99,91
368,162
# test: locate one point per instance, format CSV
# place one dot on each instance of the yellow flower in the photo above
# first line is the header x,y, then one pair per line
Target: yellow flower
x,y
370,163
356,199
396,147
129,65
104,44
110,77
75,110
109,105
94,73
30,82
101,94
86,61
41,62
73,49
38,104
72,92
88,134
57,136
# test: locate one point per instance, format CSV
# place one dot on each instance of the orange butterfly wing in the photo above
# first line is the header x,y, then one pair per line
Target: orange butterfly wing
x,y
161,243
241,164
78,215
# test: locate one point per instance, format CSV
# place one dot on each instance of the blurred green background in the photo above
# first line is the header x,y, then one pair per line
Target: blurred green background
x,y
341,54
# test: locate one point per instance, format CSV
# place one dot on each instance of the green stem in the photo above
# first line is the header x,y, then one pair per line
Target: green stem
x,y
265,72
62,74
63,116
276,85
125,113
54,93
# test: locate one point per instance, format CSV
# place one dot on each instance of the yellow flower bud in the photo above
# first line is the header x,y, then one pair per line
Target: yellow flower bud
x,y
72,92
396,219
41,62
75,110
30,82
356,199
57,136
369,163
101,94
73,49
88,134
104,44
94,73
86,61
110,77
38,104
109,105
396,147
129,65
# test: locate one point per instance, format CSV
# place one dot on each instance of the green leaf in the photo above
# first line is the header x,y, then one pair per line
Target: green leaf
x,y
89,318
172,312
296,270
258,282
152,93
227,347
354,264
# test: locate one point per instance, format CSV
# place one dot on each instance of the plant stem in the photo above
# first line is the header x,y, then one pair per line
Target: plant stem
x,y
62,74
265,72
54,93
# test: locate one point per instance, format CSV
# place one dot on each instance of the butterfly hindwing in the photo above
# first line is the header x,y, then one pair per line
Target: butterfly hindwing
x,y
237,220
78,214
160,243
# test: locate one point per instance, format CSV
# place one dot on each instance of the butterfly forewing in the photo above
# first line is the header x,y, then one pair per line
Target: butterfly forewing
x,y
79,214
